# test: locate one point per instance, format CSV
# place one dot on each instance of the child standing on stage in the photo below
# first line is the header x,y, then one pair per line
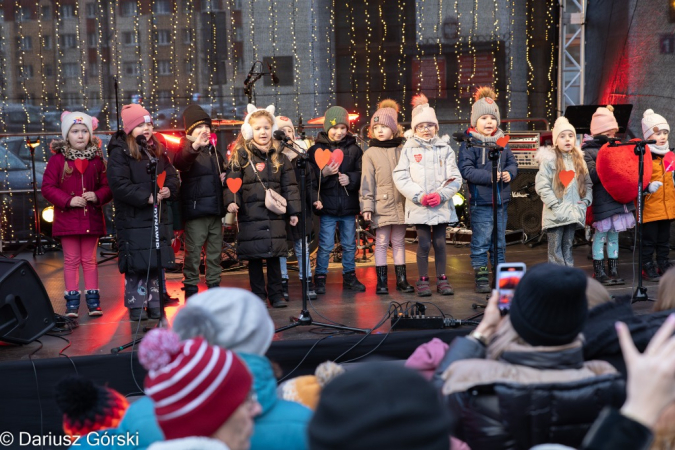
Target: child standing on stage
x,y
78,191
311,199
428,177
659,206
130,153
610,217
202,172
565,188
381,202
339,194
476,167
258,162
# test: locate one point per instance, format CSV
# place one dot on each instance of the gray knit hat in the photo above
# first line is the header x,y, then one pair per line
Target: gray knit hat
x,y
387,115
335,115
485,104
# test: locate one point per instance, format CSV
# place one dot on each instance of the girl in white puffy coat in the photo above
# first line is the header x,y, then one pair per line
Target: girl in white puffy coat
x,y
428,177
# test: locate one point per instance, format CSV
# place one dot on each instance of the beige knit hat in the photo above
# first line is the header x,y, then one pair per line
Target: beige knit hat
x,y
562,124
422,112
653,123
485,104
603,120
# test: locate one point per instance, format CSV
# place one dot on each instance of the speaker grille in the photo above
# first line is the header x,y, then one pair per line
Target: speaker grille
x,y
525,207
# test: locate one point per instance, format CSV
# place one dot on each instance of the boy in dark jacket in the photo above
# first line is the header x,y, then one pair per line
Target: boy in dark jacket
x,y
339,194
202,171
476,168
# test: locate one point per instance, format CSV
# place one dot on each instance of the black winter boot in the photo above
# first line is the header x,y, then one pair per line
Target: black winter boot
x,y
72,303
190,290
613,271
349,281
381,288
402,279
649,272
320,283
663,265
93,303
599,272
284,287
482,278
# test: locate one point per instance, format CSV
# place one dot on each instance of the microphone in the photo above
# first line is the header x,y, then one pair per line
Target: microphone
x,y
279,135
250,74
275,78
602,140
141,140
527,186
461,137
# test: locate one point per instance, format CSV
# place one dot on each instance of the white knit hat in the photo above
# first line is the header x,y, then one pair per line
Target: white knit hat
x,y
562,124
653,123
231,318
68,119
422,112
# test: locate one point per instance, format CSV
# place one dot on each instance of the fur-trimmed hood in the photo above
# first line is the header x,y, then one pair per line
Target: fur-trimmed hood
x,y
547,153
436,140
60,145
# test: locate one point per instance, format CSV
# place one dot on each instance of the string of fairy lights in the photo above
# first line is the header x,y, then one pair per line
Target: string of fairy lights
x,y
353,53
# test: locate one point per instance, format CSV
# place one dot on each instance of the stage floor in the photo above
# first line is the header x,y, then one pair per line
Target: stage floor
x,y
96,336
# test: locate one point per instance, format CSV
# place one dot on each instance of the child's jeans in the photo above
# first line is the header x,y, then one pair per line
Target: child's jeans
x,y
481,234
297,246
347,225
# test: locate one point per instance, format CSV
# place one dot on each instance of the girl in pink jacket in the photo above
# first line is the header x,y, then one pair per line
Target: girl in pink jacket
x,y
75,183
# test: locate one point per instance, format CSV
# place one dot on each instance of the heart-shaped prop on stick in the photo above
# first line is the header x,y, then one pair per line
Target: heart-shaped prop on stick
x,y
234,184
161,178
81,165
213,139
669,162
322,156
337,157
503,141
566,177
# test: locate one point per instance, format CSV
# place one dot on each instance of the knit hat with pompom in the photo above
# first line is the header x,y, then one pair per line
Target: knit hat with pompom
x,y
485,104
422,112
306,389
387,115
653,123
88,407
603,120
195,387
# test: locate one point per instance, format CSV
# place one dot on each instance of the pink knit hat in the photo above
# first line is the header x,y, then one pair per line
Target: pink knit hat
x,y
133,115
386,115
195,387
603,120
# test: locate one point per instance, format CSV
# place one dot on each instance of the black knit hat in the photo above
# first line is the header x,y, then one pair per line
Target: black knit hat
x,y
549,306
193,116
379,405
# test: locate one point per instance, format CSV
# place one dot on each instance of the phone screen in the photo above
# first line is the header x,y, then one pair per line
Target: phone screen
x,y
508,277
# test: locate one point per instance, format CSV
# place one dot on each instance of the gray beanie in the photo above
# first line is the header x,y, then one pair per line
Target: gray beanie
x,y
485,104
231,318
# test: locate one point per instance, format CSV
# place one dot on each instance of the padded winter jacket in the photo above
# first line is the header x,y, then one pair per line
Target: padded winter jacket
x,y
661,204
378,191
262,233
130,184
339,200
507,407
201,191
566,211
426,167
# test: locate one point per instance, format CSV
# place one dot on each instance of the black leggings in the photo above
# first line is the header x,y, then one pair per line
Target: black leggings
x,y
424,241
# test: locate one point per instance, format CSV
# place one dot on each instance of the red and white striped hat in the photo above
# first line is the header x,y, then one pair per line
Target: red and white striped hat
x,y
195,387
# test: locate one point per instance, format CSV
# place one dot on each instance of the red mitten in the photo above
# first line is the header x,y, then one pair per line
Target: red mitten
x,y
434,199
424,200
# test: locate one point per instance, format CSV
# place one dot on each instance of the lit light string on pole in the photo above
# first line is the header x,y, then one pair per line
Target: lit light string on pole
x,y
82,44
380,51
138,60
231,62
369,34
458,55
311,55
99,62
150,71
5,231
43,83
274,33
551,32
293,11
174,61
438,32
509,80
402,85
352,47
115,50
21,66
331,59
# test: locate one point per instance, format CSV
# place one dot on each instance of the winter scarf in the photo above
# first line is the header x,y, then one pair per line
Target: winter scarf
x,y
90,152
391,143
659,149
487,139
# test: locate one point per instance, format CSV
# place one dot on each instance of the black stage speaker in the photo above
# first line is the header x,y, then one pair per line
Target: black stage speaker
x,y
25,310
525,207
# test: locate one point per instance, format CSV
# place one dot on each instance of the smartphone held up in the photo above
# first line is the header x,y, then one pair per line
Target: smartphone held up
x,y
508,277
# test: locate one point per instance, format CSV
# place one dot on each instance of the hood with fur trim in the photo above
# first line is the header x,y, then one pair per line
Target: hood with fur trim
x,y
411,141
546,153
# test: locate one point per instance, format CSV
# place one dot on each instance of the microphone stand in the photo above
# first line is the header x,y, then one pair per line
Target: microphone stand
x,y
640,294
305,319
494,155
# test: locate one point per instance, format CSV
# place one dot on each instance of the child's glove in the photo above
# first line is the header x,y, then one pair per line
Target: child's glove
x,y
654,186
433,200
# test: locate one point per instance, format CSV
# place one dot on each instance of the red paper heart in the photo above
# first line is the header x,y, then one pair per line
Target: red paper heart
x,y
566,177
322,156
418,157
669,162
160,179
81,165
213,139
234,184
503,141
260,167
337,157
